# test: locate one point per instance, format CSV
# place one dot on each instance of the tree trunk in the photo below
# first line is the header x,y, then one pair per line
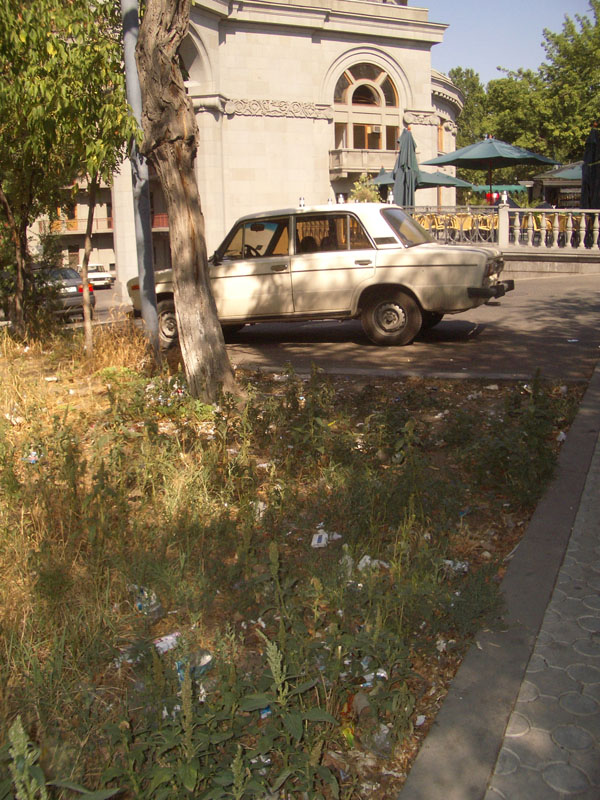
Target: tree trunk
x,y
170,142
17,315
87,249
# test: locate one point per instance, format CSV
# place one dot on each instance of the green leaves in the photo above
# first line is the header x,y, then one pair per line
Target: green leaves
x,y
549,110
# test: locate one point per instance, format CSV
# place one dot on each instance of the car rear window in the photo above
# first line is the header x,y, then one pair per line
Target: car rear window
x,y
406,228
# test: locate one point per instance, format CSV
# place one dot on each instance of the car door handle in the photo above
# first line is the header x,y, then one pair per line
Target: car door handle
x,y
363,262
278,267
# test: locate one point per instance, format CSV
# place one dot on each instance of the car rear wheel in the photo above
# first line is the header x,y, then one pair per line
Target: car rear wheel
x,y
167,324
391,319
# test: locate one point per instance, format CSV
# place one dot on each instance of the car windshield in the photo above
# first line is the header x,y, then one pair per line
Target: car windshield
x,y
406,228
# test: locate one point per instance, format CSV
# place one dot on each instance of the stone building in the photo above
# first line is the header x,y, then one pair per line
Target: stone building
x,y
297,98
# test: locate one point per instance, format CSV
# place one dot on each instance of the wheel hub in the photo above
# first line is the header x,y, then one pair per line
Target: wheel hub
x,y
391,317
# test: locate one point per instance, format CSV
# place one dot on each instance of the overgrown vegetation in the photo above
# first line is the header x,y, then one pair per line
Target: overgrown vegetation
x,y
169,628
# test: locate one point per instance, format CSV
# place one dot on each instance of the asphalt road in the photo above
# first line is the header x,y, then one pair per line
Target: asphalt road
x,y
550,324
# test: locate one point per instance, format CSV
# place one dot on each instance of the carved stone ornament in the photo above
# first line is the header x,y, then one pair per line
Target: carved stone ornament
x,y
421,118
450,126
277,108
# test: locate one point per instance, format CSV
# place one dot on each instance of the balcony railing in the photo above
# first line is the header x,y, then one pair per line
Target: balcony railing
x,y
342,162
99,225
544,230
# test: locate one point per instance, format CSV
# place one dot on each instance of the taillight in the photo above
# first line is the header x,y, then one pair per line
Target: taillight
x,y
135,287
90,287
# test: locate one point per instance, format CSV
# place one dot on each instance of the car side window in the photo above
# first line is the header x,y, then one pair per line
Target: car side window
x,y
321,233
358,236
258,238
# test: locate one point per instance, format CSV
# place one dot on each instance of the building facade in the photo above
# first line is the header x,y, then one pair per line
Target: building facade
x,y
293,100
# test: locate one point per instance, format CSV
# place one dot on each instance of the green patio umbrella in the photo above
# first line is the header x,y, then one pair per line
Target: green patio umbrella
x,y
489,154
426,180
406,170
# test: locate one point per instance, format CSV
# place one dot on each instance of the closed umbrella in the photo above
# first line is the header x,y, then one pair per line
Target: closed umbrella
x,y
490,154
590,171
406,171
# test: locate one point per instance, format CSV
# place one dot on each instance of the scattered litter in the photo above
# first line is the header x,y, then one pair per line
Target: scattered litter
x,y
474,396
367,562
259,508
563,390
371,676
198,663
146,602
320,540
464,512
51,379
493,387
165,643
32,457
572,341
456,566
265,712
14,420
420,720
561,437
486,554
441,645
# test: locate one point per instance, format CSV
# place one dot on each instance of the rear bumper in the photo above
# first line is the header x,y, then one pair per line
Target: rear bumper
x,y
488,292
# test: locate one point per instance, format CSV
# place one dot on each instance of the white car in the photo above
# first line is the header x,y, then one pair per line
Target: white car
x,y
361,260
99,276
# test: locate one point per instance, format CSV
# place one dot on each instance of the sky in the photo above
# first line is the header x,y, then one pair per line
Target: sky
x,y
484,35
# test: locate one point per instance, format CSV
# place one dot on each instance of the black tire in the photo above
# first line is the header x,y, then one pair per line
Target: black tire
x,y
167,324
391,319
430,319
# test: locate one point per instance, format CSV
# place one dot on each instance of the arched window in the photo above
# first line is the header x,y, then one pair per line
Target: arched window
x,y
367,115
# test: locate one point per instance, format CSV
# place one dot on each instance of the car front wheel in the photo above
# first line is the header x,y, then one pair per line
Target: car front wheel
x,y
167,324
391,319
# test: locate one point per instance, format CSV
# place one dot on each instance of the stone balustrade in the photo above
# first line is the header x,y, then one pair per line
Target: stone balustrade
x,y
529,229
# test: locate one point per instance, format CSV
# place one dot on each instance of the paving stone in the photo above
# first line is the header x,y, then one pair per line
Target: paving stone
x,y
518,725
578,704
507,763
524,784
528,693
570,607
567,631
583,673
592,601
536,749
594,583
572,737
588,761
545,713
537,663
558,654
565,778
592,690
553,682
588,647
590,623
545,639
494,794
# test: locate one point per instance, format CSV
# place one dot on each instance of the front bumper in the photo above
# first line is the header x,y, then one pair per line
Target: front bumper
x,y
498,289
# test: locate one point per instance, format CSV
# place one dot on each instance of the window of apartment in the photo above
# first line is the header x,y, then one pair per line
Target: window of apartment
x,y
366,108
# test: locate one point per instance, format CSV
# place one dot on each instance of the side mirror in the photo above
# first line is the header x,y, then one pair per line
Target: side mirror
x,y
214,259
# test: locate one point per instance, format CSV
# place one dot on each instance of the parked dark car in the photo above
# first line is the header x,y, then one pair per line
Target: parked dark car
x,y
60,288
70,291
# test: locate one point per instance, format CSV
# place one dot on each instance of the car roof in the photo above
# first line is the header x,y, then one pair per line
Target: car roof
x,y
370,213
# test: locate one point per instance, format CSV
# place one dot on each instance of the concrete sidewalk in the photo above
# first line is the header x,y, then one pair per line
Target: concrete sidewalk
x,y
521,719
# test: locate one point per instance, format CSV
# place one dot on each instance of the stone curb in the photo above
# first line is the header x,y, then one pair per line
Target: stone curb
x,y
460,751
